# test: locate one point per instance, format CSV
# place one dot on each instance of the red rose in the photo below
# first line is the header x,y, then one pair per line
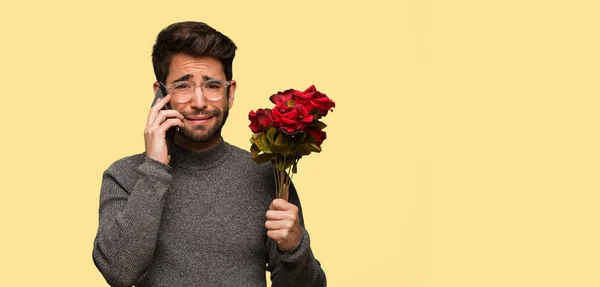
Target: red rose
x,y
319,135
260,120
304,98
313,99
291,119
282,97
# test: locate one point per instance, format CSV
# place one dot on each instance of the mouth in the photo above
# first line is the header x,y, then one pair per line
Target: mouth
x,y
199,119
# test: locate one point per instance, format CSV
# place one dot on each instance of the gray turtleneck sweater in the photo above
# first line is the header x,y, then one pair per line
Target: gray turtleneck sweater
x,y
198,222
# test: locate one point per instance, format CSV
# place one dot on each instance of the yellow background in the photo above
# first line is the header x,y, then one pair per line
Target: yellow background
x,y
464,149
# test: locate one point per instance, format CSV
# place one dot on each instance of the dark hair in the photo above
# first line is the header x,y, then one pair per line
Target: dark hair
x,y
195,39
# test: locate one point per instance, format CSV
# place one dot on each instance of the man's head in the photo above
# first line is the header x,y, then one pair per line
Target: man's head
x,y
194,52
195,39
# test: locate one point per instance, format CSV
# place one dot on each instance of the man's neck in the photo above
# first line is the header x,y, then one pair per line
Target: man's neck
x,y
198,146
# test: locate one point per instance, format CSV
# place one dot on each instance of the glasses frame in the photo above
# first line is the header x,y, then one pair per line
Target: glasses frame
x,y
226,85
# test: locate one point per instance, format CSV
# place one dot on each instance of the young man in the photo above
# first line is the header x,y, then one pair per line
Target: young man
x,y
199,212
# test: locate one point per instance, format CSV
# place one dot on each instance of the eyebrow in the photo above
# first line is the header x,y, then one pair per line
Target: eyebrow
x,y
189,76
184,78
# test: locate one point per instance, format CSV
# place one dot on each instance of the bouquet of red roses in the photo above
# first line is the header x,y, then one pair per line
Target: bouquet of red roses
x,y
289,131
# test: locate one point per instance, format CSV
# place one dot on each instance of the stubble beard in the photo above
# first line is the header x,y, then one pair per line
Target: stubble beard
x,y
202,134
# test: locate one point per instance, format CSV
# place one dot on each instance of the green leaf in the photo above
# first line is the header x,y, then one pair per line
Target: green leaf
x,y
284,163
315,147
282,145
280,165
271,134
300,137
316,114
289,161
303,149
264,157
254,149
317,124
282,139
260,140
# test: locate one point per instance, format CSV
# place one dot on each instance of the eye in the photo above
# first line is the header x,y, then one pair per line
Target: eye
x,y
182,86
213,86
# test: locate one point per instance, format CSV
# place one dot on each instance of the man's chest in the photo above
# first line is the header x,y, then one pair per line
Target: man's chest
x,y
213,220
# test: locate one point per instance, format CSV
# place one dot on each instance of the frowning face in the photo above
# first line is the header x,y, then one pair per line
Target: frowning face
x,y
204,118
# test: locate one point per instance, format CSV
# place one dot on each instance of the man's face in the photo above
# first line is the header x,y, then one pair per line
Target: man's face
x,y
204,119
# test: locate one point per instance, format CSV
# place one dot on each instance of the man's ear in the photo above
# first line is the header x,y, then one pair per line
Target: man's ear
x,y
155,86
231,95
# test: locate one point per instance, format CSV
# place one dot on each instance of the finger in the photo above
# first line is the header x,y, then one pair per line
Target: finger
x,y
158,132
280,204
158,105
163,115
167,124
280,215
279,224
161,112
277,235
156,108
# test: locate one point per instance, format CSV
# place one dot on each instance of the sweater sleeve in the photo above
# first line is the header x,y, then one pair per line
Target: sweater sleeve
x,y
296,267
131,205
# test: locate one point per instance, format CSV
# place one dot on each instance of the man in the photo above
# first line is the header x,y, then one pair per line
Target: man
x,y
199,212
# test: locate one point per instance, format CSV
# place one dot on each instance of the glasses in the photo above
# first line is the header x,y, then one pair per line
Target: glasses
x,y
183,91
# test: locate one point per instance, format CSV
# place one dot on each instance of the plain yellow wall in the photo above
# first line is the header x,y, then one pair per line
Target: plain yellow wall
x,y
464,149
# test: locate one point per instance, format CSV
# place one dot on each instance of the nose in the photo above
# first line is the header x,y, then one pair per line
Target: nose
x,y
198,100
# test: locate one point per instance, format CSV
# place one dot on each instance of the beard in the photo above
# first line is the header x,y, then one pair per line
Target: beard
x,y
201,134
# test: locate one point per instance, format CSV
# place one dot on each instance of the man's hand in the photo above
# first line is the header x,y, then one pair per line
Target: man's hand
x,y
283,224
159,121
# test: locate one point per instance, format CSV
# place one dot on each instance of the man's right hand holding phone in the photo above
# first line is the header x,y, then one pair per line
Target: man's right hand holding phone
x,y
159,121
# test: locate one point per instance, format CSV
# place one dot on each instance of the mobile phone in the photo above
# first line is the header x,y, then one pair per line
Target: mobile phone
x,y
172,132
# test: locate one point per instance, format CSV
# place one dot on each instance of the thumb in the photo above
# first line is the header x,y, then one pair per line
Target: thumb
x,y
279,204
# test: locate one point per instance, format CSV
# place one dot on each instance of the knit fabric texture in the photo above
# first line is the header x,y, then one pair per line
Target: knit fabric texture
x,y
196,222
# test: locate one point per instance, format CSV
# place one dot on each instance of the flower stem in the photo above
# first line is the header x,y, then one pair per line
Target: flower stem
x,y
282,183
275,177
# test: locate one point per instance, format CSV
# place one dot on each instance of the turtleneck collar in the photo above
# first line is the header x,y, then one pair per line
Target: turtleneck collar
x,y
211,158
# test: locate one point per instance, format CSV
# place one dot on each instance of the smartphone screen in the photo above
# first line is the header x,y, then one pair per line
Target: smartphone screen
x,y
171,132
